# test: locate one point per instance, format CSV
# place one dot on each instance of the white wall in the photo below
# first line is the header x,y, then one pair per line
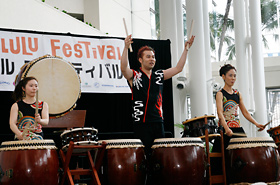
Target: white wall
x,y
271,66
91,13
111,14
39,16
107,15
272,72
141,19
71,6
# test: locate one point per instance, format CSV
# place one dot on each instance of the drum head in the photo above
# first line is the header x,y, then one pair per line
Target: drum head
x,y
123,143
177,142
28,145
201,118
252,142
59,84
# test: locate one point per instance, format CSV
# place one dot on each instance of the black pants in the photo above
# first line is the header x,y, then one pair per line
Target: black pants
x,y
147,133
217,143
216,168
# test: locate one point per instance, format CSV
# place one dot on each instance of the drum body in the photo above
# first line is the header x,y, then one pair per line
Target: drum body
x,y
178,161
196,127
251,160
275,134
59,83
29,162
123,162
79,134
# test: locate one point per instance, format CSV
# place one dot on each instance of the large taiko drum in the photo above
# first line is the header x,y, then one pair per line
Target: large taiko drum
x,y
178,161
124,162
196,126
29,162
251,160
59,83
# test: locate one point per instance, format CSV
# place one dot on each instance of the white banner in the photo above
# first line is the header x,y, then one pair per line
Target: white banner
x,y
97,61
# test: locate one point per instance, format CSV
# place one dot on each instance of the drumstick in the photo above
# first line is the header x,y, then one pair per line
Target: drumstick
x,y
265,125
190,34
239,134
37,105
130,47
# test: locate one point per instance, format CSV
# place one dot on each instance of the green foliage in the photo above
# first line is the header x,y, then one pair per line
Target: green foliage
x,y
268,19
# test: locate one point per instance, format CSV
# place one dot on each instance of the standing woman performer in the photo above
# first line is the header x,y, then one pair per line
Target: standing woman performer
x,y
228,100
23,110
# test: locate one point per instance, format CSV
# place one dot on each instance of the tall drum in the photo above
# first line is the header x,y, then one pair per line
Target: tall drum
x,y
29,162
124,162
178,161
59,83
251,160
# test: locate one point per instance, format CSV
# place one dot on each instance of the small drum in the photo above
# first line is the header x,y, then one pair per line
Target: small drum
x,y
81,136
178,161
251,160
195,127
124,162
59,83
275,134
29,162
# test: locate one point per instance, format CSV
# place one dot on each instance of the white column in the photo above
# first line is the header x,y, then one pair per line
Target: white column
x,y
196,58
180,28
168,30
241,59
258,64
180,46
208,65
251,107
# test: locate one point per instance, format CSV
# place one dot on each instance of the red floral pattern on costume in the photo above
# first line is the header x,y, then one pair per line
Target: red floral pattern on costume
x,y
231,108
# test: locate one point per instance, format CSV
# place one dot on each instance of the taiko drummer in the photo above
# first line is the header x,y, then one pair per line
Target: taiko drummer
x,y
146,86
228,101
23,120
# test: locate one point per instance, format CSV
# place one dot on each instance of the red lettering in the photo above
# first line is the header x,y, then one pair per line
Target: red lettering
x,y
86,46
4,49
53,47
101,51
77,48
119,53
12,48
24,52
35,48
94,53
65,48
111,54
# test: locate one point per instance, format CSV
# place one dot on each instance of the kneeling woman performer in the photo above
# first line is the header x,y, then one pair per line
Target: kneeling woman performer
x,y
22,115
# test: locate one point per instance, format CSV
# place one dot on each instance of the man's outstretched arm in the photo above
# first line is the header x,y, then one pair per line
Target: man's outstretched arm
x,y
126,71
169,73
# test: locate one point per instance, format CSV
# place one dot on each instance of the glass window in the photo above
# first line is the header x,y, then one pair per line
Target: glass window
x,y
273,97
